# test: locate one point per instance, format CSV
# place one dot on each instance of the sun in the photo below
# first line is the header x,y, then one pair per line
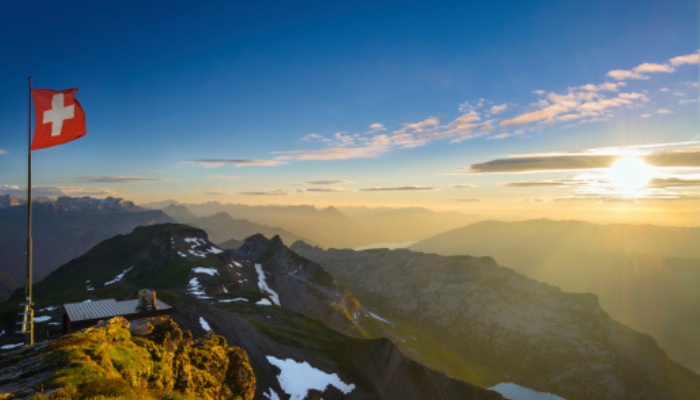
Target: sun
x,y
630,174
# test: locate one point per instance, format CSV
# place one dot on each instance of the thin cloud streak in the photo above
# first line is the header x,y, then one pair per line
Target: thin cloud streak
x,y
326,190
399,188
546,163
215,163
119,179
553,183
328,182
665,183
277,192
657,155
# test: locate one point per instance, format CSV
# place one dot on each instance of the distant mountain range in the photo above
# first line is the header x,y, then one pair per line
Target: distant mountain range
x,y
646,276
343,227
222,227
62,230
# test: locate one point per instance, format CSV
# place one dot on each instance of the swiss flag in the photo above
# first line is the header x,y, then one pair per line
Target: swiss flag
x,y
59,117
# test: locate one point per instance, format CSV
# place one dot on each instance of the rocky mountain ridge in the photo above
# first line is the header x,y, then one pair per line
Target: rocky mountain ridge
x,y
512,327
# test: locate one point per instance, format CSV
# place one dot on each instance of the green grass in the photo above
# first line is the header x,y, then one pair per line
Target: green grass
x,y
108,363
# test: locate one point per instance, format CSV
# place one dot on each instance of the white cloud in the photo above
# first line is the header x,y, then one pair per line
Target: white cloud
x,y
470,116
645,115
664,89
582,102
642,70
686,59
621,74
313,137
3,152
651,68
377,145
430,121
664,111
687,101
497,109
376,127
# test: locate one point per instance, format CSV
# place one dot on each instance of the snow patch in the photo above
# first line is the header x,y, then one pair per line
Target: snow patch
x,y
43,318
236,263
205,270
50,308
262,284
511,391
88,286
195,288
181,254
378,318
296,379
11,346
215,250
118,277
197,253
195,241
204,324
264,302
272,395
233,300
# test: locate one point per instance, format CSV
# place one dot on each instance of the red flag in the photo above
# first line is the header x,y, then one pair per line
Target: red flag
x,y
59,117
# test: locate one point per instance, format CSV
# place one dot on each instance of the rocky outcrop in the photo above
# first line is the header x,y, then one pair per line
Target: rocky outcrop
x,y
303,286
108,362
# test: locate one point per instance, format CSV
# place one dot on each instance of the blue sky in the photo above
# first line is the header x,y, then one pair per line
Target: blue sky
x,y
377,103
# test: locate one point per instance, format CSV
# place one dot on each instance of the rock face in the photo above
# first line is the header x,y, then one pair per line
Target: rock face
x,y
303,286
108,361
520,330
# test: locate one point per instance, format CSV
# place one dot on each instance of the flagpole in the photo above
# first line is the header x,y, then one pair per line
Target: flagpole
x,y
28,323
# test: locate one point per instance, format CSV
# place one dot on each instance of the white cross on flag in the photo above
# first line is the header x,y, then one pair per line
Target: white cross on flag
x,y
59,117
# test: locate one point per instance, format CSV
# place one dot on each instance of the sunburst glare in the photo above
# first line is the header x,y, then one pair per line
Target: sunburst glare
x,y
629,175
